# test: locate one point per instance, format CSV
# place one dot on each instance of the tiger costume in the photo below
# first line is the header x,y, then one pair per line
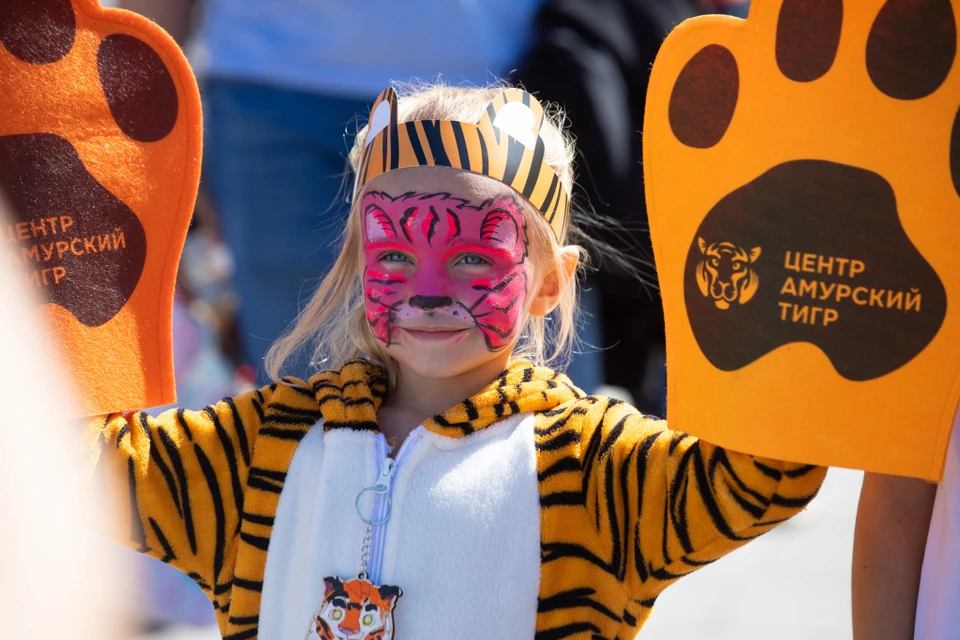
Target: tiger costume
x,y
552,513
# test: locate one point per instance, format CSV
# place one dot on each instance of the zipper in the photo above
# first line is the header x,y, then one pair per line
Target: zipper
x,y
384,505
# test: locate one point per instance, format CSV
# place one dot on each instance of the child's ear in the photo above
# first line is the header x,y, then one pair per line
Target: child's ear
x,y
555,282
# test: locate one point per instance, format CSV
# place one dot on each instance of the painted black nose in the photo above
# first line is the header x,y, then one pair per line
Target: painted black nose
x,y
428,303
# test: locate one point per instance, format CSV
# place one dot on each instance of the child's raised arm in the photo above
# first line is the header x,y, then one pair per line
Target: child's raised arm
x,y
657,504
197,481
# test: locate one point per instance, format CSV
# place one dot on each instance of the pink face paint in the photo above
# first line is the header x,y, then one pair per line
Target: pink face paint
x,y
435,260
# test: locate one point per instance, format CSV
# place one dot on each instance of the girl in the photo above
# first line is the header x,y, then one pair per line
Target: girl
x,y
527,510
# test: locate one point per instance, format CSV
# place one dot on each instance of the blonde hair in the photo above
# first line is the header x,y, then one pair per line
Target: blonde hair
x,y
333,326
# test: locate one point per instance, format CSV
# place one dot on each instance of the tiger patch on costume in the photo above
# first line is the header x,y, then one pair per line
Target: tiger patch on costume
x,y
354,609
725,275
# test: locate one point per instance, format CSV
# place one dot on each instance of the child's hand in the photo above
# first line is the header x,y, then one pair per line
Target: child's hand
x,y
803,189
100,157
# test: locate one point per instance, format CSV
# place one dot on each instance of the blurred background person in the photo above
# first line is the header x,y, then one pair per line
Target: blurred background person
x,y
890,555
55,570
906,555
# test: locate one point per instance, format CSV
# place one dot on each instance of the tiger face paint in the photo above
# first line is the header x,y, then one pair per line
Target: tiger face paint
x,y
438,267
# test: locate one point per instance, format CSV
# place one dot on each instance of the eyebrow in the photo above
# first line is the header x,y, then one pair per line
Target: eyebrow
x,y
473,247
380,245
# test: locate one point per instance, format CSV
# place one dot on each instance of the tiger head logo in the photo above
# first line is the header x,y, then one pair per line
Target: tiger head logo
x,y
724,274
355,609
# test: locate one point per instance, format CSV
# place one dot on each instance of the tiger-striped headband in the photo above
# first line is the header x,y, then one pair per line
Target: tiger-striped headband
x,y
505,145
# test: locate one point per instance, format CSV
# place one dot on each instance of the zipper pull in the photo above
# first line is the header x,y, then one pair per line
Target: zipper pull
x,y
387,469
380,488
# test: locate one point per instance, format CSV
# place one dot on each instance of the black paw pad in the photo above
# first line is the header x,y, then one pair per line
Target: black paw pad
x,y
37,31
705,97
808,35
802,272
911,47
955,153
138,88
75,240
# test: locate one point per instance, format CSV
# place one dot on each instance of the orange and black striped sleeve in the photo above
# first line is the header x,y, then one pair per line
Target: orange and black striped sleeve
x,y
181,477
630,506
686,502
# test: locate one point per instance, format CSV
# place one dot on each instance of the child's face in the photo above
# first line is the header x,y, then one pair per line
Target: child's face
x,y
446,270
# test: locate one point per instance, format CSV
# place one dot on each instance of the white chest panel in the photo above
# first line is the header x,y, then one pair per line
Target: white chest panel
x,y
463,540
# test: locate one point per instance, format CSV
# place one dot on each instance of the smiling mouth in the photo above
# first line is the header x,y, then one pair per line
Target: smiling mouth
x,y
433,334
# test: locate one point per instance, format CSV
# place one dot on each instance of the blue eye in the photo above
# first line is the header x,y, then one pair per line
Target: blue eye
x,y
394,256
473,260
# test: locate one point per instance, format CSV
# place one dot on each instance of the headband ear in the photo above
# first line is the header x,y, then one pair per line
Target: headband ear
x,y
505,145
516,158
516,113
383,114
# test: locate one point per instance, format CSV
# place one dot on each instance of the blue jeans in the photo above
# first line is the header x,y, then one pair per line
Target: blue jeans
x,y
274,161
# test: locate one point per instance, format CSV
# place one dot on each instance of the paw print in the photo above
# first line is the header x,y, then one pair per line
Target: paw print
x,y
99,160
803,169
